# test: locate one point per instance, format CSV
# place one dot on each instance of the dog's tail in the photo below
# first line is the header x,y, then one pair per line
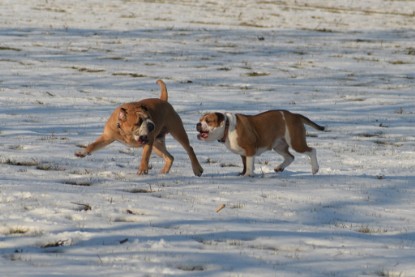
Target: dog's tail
x,y
310,123
163,90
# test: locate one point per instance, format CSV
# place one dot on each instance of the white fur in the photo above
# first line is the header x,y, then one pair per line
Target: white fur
x,y
143,130
250,166
232,144
215,133
232,139
313,160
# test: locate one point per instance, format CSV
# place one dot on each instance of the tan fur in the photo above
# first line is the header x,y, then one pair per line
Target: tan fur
x,y
163,90
250,135
124,126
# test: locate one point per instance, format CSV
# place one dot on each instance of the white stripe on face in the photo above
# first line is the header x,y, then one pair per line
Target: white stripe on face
x,y
143,130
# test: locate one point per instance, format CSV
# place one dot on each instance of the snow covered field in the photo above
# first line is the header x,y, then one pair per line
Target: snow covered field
x,y
65,65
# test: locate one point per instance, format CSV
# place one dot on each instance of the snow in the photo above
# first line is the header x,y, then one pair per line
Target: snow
x,y
348,65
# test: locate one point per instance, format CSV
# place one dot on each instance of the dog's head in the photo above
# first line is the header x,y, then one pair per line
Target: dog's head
x,y
211,127
136,122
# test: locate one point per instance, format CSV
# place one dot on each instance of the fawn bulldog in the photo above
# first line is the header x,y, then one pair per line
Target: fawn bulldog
x,y
251,135
145,124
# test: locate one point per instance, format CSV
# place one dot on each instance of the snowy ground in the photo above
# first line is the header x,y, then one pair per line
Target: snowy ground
x,y
65,65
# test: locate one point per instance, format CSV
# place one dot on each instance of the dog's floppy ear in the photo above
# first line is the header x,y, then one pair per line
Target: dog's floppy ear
x,y
122,116
141,113
221,118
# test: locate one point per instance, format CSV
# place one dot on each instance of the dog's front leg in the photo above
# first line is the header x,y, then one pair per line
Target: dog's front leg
x,y
101,142
244,165
250,166
145,158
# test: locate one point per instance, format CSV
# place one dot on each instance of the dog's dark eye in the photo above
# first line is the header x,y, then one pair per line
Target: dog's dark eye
x,y
207,121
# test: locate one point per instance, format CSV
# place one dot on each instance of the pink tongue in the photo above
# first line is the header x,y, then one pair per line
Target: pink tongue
x,y
205,135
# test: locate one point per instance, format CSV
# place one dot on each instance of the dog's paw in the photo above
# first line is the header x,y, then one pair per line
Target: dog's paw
x,y
80,154
249,175
142,172
198,172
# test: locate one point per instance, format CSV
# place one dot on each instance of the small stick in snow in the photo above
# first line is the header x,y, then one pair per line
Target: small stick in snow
x,y
84,207
221,207
123,241
55,244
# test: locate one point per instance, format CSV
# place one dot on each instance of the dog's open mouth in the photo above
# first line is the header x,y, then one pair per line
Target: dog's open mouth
x,y
142,141
203,135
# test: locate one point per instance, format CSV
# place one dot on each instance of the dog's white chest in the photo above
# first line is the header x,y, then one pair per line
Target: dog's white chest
x,y
232,139
232,143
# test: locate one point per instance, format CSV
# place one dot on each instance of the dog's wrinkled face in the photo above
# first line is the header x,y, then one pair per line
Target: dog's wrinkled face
x,y
136,124
211,127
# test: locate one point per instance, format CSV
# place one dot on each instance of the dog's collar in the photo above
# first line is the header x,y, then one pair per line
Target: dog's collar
x,y
225,133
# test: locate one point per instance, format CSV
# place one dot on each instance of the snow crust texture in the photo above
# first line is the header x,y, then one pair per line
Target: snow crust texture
x,y
347,65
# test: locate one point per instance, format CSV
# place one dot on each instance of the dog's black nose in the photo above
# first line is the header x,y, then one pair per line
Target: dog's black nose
x,y
150,126
143,139
199,127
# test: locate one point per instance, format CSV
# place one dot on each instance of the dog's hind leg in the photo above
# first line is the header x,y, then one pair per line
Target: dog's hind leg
x,y
282,149
159,148
313,160
180,135
301,147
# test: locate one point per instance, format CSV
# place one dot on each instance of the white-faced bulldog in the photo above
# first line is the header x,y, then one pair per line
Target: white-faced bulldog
x,y
251,135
